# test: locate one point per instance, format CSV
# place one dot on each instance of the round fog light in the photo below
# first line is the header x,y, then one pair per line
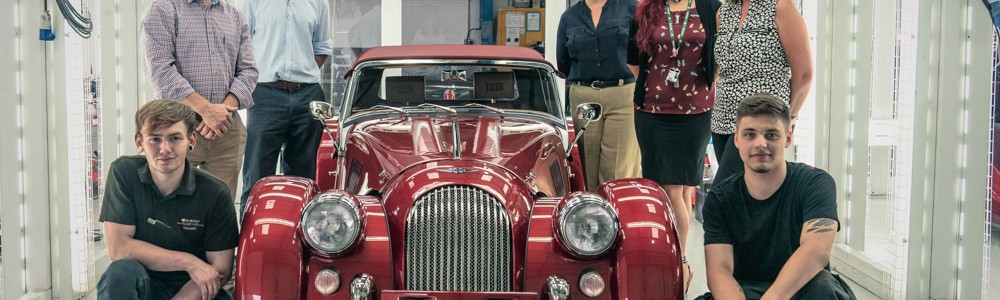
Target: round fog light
x,y
328,281
591,284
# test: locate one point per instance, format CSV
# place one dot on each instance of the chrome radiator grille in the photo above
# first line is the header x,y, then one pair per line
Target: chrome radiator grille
x,y
458,239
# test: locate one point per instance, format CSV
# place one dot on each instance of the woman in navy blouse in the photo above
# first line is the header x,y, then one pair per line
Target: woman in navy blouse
x,y
591,50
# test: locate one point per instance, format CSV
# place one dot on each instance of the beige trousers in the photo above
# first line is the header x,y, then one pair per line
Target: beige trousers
x,y
608,146
222,157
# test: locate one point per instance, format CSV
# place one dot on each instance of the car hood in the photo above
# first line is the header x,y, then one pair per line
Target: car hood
x,y
378,151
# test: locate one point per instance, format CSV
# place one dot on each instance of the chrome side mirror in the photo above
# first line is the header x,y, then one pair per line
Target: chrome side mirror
x,y
586,112
321,110
589,111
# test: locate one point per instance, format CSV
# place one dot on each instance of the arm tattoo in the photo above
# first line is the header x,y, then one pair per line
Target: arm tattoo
x,y
819,225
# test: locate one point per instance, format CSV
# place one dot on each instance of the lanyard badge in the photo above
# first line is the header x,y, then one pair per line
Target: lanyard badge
x,y
676,41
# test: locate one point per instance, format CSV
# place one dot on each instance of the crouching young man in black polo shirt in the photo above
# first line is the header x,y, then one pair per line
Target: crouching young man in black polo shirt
x,y
170,228
769,231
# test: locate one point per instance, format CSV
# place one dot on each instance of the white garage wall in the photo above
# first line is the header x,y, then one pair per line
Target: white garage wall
x,y
908,78
45,210
24,184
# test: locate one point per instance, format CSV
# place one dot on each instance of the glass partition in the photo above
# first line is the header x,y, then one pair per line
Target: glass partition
x,y
357,26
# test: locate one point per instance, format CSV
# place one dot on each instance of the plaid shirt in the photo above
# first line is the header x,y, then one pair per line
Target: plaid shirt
x,y
191,48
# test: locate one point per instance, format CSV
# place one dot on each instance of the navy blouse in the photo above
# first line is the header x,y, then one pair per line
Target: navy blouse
x,y
585,53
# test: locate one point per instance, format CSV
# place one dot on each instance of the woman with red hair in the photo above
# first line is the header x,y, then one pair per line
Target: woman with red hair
x,y
672,55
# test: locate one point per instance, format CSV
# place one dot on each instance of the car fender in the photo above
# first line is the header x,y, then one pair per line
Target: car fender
x,y
270,258
647,261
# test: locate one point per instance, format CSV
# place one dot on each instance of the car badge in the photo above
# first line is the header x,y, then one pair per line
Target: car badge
x,y
457,170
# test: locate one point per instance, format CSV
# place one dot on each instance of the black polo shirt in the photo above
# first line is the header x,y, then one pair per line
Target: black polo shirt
x,y
585,53
198,217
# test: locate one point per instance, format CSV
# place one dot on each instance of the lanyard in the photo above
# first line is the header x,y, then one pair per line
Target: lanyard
x,y
675,44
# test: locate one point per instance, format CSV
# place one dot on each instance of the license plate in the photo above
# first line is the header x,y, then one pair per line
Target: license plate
x,y
443,295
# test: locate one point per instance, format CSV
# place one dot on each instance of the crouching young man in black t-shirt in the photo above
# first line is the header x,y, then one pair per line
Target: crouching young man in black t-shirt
x,y
769,231
170,228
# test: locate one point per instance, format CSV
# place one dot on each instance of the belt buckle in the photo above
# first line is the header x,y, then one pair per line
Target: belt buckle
x,y
593,84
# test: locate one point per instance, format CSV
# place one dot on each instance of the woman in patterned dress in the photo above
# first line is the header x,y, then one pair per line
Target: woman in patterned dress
x,y
671,53
762,47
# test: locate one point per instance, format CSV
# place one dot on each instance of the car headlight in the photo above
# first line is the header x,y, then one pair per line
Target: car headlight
x,y
331,222
588,225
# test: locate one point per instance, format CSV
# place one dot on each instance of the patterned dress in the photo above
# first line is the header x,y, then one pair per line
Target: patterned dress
x,y
751,60
693,94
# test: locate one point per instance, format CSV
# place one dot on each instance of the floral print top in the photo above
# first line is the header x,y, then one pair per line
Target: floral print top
x,y
692,94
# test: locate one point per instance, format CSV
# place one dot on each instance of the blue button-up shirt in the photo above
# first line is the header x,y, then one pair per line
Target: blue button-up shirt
x,y
586,53
287,35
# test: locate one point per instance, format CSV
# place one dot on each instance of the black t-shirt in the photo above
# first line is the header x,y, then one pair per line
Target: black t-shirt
x,y
765,233
198,217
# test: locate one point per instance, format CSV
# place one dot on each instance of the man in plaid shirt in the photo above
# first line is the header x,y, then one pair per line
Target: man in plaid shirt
x,y
198,52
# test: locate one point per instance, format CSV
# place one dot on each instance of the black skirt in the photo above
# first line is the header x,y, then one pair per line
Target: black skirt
x,y
673,146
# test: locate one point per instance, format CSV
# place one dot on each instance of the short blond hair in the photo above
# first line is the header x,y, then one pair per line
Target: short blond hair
x,y
162,113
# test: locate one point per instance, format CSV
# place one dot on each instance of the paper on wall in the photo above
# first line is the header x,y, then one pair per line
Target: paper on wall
x,y
515,19
534,23
513,36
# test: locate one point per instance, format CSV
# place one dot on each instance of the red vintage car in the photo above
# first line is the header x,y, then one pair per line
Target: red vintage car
x,y
449,172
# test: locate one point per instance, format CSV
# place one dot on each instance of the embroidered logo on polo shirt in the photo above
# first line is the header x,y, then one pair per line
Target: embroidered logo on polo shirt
x,y
190,224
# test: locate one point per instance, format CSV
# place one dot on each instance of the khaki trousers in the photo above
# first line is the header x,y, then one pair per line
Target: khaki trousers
x,y
608,146
222,157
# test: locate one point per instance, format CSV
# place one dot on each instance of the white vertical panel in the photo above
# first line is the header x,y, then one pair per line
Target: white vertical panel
x,y
924,128
822,81
976,134
902,207
58,155
804,147
392,27
35,133
109,22
946,94
839,64
859,106
132,82
11,199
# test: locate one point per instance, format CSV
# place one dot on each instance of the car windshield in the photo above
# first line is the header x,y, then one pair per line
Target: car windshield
x,y
503,87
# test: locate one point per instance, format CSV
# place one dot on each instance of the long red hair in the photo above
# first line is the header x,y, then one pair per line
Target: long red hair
x,y
646,16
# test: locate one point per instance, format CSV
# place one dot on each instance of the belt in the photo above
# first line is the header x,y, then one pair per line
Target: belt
x,y
284,85
599,84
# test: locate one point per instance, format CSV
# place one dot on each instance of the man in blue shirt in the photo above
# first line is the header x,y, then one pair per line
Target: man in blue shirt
x,y
292,41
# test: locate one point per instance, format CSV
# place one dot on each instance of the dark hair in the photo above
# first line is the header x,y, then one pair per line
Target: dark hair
x,y
162,113
763,104
646,15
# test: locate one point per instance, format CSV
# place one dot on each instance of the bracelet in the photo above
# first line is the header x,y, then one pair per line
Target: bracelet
x,y
684,260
